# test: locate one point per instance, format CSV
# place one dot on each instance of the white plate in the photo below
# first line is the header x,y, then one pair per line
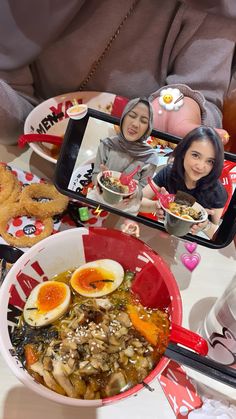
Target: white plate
x,y
43,119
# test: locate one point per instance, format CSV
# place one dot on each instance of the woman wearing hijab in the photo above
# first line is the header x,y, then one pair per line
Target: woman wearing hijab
x,y
125,151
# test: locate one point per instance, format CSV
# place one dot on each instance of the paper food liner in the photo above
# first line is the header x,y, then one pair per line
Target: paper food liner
x,y
179,390
31,227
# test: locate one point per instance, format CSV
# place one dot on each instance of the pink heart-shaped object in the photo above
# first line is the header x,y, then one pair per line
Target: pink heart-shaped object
x,y
190,247
190,261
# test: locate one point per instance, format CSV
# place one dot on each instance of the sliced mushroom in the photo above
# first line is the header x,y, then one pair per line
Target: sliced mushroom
x,y
99,363
80,319
116,384
69,366
124,319
38,367
88,370
100,335
121,332
47,363
113,349
52,384
103,303
62,379
123,358
114,341
67,345
129,351
96,346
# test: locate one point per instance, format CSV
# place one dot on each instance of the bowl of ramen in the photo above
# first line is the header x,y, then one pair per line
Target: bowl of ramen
x,y
181,216
89,326
113,191
51,117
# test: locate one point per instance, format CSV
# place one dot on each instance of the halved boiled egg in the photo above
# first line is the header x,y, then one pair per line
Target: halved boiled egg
x,y
97,278
46,303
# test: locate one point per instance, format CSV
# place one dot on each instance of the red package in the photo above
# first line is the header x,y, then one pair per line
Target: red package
x,y
118,106
179,390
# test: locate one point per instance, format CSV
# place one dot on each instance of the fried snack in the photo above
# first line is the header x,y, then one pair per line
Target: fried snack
x,y
7,184
55,202
16,202
16,193
17,210
163,143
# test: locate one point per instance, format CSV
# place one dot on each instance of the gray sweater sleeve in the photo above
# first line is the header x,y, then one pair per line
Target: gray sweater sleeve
x,y
14,108
16,102
148,170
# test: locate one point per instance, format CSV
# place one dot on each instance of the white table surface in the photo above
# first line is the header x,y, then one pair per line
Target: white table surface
x,y
199,290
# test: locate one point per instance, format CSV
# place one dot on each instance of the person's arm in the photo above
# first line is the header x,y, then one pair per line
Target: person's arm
x,y
23,36
16,102
201,60
209,227
180,122
146,171
148,205
216,215
151,207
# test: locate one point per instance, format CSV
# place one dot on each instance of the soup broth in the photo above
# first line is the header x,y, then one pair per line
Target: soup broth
x,y
114,184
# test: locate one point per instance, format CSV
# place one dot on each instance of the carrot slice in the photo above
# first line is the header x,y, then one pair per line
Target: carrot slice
x,y
146,328
31,355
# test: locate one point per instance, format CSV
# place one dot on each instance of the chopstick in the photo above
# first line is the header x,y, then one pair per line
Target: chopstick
x,y
202,364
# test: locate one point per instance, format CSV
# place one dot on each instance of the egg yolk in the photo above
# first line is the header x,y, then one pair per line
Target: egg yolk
x,y
167,98
50,296
92,279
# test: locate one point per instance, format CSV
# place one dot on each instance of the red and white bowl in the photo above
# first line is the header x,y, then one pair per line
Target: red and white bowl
x,y
51,117
58,253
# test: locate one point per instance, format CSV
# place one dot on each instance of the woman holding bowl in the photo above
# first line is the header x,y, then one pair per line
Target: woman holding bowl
x,y
127,150
195,169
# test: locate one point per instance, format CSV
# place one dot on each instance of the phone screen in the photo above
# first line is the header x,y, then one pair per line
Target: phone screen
x,y
75,176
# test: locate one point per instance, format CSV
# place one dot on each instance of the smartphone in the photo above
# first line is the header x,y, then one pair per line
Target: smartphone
x,y
74,173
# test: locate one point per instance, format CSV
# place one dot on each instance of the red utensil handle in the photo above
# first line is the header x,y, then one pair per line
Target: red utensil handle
x,y
34,138
155,190
189,339
131,174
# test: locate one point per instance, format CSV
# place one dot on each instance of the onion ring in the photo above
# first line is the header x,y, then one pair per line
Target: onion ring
x,y
15,195
16,210
56,204
7,183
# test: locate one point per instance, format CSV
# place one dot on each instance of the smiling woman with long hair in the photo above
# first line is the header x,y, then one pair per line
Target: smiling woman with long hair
x,y
195,168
